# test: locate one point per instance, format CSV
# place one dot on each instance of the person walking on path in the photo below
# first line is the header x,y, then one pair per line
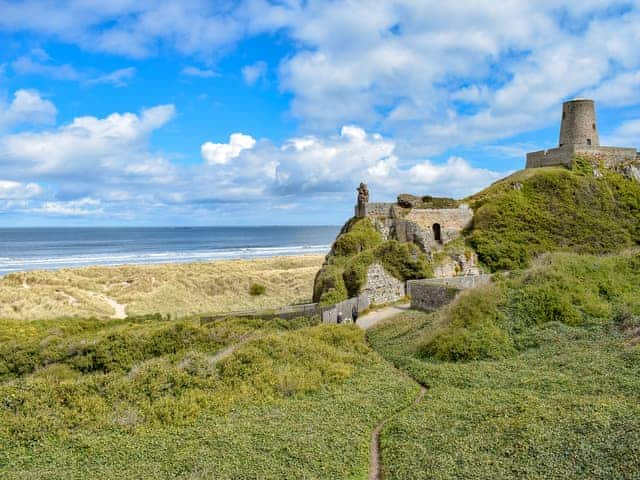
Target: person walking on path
x,y
339,318
354,313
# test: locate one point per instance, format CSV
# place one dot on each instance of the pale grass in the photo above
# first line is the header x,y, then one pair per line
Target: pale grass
x,y
175,289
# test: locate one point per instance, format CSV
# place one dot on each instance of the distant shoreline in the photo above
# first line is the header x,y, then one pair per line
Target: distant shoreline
x,y
57,248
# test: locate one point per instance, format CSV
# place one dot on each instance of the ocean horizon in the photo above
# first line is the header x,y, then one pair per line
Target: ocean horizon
x,y
52,248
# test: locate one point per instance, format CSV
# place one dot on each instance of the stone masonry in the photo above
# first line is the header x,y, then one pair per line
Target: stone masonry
x,y
579,137
381,287
433,293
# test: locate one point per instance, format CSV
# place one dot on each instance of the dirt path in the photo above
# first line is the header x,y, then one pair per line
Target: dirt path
x,y
225,352
370,319
365,322
375,471
119,310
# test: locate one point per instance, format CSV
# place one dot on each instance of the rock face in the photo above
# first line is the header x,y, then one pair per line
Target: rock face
x,y
381,287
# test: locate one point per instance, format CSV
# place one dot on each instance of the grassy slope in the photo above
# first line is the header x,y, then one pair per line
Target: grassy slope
x,y
294,402
549,209
562,404
175,289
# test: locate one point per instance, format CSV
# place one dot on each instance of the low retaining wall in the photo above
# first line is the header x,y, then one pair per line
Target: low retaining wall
x,y
286,313
433,293
330,314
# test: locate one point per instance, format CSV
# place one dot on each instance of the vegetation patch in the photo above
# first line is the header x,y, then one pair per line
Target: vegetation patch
x,y
561,404
287,403
550,209
512,313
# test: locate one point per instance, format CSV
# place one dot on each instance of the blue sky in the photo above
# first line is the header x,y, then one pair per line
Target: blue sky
x,y
258,112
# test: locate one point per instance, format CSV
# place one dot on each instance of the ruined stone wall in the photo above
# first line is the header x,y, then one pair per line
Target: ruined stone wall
x,y
433,293
379,209
549,158
457,264
451,220
381,287
609,156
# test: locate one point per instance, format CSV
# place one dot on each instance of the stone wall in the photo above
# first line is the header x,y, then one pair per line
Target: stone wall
x,y
433,293
379,209
609,156
330,315
381,287
451,220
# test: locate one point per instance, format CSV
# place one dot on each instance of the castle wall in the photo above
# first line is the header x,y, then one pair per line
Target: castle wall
x,y
609,156
378,209
433,293
552,157
381,287
451,220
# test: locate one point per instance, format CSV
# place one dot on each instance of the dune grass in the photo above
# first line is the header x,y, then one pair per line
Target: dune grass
x,y
148,398
175,289
558,400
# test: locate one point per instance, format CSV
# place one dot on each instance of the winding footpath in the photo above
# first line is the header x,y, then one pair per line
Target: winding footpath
x,y
365,322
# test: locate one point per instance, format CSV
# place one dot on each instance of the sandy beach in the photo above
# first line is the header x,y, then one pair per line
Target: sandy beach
x,y
176,289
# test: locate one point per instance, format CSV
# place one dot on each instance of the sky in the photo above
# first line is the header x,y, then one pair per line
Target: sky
x,y
256,112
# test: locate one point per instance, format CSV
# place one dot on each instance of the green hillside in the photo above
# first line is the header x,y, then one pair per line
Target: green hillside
x,y
550,209
535,377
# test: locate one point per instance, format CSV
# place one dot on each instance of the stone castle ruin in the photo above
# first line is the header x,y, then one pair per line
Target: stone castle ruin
x,y
579,137
431,223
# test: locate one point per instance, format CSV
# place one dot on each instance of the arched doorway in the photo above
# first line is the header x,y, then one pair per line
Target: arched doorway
x,y
437,234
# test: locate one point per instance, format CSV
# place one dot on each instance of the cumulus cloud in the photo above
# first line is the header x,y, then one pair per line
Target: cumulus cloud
x,y
27,107
10,190
312,165
74,208
112,147
222,153
254,72
625,135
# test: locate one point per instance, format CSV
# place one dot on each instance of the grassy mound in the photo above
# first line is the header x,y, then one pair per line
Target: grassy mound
x,y
551,209
558,398
496,320
358,246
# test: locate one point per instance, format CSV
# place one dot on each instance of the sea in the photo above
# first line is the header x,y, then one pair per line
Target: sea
x,y
23,249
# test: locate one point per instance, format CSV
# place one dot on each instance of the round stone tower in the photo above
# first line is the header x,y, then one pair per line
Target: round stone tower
x,y
578,125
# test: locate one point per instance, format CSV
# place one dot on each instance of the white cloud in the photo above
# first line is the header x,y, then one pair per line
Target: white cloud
x,y
625,135
198,72
38,62
117,78
74,208
254,72
222,153
27,107
97,149
10,190
314,166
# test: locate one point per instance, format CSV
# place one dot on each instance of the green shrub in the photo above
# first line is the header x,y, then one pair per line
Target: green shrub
x,y
471,329
257,289
361,235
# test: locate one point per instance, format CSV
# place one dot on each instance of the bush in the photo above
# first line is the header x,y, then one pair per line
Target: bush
x,y
361,235
257,289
